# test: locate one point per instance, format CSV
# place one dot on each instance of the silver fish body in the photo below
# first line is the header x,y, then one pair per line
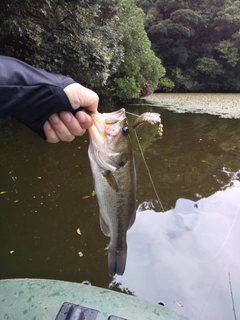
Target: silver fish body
x,y
112,162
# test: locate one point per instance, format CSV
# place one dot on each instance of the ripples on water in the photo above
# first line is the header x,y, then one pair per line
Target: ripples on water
x,y
181,255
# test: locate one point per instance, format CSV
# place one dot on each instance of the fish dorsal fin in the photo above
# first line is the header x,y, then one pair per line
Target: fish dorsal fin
x,y
110,179
104,226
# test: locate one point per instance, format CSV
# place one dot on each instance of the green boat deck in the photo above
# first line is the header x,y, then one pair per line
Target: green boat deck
x,y
39,299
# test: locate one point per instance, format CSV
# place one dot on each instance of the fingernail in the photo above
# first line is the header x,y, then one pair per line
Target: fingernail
x,y
47,126
66,117
81,116
54,118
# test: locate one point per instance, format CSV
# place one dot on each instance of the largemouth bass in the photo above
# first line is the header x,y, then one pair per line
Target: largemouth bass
x,y
112,162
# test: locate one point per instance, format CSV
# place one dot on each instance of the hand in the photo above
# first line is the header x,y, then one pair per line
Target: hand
x,y
65,126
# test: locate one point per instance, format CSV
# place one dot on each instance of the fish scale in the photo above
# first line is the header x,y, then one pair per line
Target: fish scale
x,y
112,162
115,188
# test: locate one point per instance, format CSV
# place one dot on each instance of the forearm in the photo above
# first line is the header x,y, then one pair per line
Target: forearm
x,y
45,101
31,95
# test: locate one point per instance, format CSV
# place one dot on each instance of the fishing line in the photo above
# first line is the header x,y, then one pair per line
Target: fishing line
x,y
160,203
211,291
223,244
231,292
145,163
150,177
133,114
194,258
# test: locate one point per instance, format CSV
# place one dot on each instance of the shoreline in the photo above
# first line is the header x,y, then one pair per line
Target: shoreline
x,y
224,105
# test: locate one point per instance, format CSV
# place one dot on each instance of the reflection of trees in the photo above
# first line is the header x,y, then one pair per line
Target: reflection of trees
x,y
117,286
196,156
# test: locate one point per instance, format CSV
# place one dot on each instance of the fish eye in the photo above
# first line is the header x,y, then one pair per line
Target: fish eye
x,y
125,131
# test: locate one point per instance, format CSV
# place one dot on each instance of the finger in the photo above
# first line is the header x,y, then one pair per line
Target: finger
x,y
89,99
79,95
50,133
73,125
60,128
84,119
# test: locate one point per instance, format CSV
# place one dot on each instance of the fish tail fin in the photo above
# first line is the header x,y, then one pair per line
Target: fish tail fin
x,y
116,260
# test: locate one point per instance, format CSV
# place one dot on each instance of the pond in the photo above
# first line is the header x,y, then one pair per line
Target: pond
x,y
184,251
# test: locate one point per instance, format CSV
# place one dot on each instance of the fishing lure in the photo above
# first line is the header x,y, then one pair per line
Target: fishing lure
x,y
149,117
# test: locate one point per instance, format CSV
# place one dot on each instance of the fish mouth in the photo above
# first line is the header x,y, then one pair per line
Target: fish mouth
x,y
104,134
108,124
115,116
108,118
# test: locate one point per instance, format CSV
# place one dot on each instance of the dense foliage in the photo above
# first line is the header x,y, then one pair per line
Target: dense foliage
x,y
198,42
100,43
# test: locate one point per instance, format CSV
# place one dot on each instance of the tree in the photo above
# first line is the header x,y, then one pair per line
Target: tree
x,y
228,50
63,37
140,67
197,41
85,39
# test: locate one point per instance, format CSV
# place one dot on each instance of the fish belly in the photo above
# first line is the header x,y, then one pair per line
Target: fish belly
x,y
117,211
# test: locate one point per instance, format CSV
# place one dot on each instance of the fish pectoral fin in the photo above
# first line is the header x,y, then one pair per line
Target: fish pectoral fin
x,y
104,226
111,180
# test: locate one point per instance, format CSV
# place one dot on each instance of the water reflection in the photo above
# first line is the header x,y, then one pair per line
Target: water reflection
x,y
190,158
180,255
183,256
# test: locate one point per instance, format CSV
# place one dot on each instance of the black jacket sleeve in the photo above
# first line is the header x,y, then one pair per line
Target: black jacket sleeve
x,y
30,94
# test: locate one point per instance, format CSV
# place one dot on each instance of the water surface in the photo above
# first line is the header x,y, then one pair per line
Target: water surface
x,y
182,254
